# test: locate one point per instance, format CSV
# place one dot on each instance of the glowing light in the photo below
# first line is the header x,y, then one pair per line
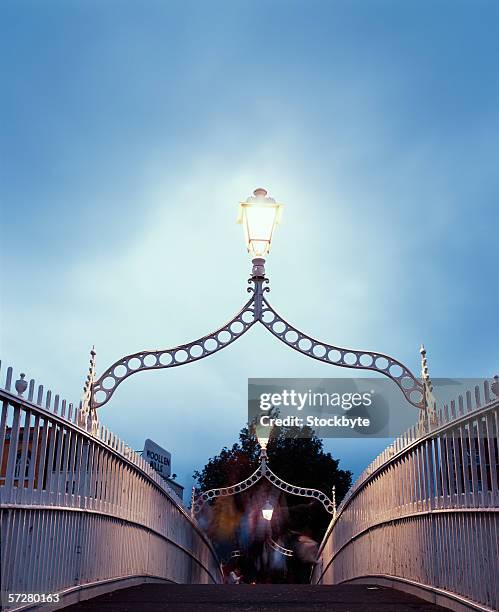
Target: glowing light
x,y
262,434
267,511
259,216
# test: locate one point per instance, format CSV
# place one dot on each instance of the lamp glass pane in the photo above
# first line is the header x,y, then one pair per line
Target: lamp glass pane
x,y
262,433
267,511
262,441
259,222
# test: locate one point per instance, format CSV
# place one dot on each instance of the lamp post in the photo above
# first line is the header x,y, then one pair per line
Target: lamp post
x,y
259,215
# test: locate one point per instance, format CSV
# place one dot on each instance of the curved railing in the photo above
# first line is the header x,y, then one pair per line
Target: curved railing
x,y
423,517
81,512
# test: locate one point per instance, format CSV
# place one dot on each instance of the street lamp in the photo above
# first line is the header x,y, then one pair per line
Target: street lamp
x,y
259,215
262,471
262,435
267,511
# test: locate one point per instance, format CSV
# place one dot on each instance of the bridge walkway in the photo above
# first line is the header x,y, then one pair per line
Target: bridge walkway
x,y
255,598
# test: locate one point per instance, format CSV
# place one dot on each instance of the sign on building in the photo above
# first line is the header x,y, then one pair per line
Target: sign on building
x,y
158,458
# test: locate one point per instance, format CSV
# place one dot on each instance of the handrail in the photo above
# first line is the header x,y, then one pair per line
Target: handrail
x,y
84,508
405,519
413,443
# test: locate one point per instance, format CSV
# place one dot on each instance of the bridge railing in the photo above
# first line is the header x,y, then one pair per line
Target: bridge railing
x,y
423,516
81,512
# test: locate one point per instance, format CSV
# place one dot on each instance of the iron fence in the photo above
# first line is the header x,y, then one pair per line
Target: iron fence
x,y
81,512
424,515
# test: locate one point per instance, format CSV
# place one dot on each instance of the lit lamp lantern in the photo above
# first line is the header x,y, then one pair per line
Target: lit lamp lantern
x,y
262,435
262,441
267,511
259,215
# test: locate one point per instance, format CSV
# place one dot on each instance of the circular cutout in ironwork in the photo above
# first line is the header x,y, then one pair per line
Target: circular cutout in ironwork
x,y
236,327
305,344
319,350
150,360
196,351
100,396
108,382
165,359
381,363
416,396
268,316
224,336
247,316
134,363
350,358
181,356
210,344
366,360
334,355
395,370
407,382
279,327
120,371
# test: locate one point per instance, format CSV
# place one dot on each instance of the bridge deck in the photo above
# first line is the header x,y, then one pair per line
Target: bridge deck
x,y
255,598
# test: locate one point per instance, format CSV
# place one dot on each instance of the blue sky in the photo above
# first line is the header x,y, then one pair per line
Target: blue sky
x,y
131,130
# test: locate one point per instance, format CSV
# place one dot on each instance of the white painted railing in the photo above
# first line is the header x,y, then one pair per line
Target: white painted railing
x,y
81,512
424,515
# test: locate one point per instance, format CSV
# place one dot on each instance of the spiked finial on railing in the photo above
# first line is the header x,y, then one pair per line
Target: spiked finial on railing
x,y
193,501
428,416
87,415
425,374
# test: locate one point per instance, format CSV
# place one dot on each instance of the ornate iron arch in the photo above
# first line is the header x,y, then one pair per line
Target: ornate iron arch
x,y
263,471
257,309
343,357
158,359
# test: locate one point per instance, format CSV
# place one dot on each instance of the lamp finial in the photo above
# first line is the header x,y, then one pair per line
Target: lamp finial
x,y
260,191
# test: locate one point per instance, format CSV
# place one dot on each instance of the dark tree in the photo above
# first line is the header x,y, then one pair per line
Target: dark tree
x,y
296,459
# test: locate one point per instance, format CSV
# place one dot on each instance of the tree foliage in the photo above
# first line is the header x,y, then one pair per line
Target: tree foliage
x,y
298,460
